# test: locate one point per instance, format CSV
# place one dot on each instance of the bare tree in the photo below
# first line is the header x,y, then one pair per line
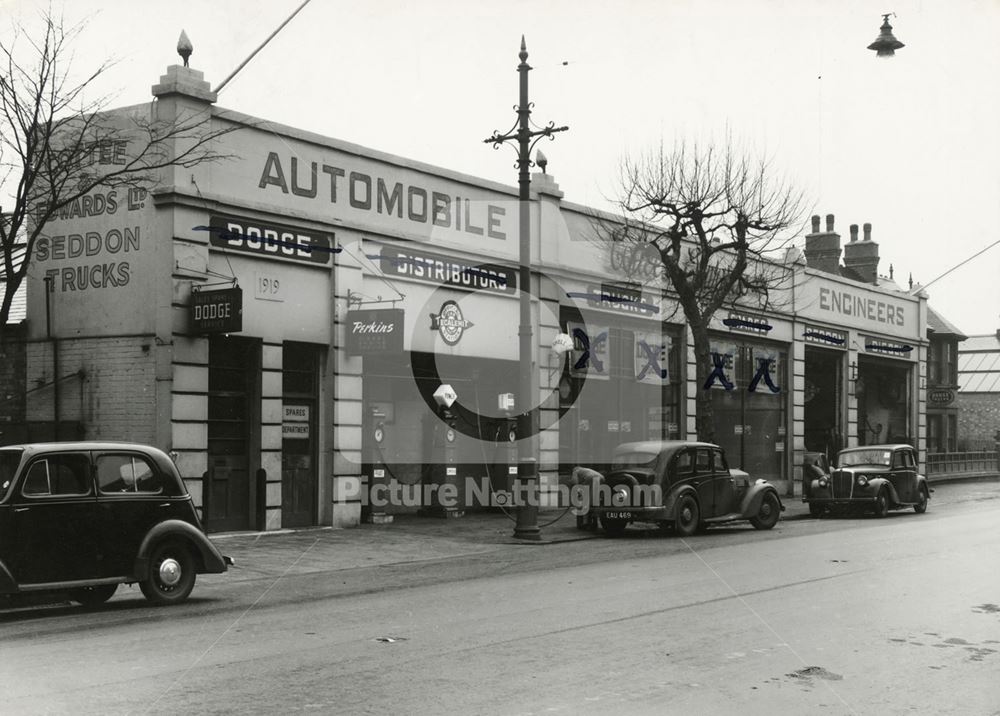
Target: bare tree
x,y
57,144
710,222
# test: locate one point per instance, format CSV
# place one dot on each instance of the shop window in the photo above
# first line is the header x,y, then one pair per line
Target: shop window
x,y
751,416
934,442
884,401
632,393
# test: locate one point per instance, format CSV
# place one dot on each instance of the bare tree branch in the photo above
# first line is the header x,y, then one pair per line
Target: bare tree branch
x,y
710,223
61,145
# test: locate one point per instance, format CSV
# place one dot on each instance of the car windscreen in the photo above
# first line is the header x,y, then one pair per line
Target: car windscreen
x,y
634,459
865,457
9,460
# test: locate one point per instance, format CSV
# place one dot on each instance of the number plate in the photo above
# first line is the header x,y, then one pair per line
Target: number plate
x,y
619,515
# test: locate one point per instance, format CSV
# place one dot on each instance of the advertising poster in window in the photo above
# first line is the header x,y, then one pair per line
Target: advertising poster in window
x,y
722,366
590,356
650,351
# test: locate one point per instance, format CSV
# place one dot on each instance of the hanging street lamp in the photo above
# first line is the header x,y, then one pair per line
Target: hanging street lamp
x,y
886,44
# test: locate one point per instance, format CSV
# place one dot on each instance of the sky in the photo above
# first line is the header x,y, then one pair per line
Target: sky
x,y
908,144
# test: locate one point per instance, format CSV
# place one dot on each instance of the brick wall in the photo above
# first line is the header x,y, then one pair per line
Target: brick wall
x,y
978,416
12,376
108,385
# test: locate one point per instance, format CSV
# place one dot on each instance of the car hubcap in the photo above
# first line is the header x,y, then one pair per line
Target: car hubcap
x,y
686,514
170,572
765,509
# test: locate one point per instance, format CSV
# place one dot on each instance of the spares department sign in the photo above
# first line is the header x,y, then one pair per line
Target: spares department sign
x,y
374,330
217,311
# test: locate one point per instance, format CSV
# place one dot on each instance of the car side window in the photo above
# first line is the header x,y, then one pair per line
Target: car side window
x,y
908,460
118,474
719,461
703,462
898,460
58,475
685,463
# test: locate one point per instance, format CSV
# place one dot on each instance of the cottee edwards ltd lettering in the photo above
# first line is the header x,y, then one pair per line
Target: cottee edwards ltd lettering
x,y
848,304
375,194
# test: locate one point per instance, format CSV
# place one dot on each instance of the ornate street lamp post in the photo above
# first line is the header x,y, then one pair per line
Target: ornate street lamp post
x,y
527,420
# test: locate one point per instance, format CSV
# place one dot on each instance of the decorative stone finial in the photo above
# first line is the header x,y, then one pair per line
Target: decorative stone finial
x,y
184,47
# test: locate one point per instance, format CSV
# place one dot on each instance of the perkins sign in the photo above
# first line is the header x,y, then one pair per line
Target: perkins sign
x,y
217,311
374,330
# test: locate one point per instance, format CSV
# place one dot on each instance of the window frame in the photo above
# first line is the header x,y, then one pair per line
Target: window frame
x,y
47,458
134,492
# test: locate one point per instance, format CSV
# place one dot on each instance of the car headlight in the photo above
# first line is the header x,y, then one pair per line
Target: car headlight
x,y
822,482
862,480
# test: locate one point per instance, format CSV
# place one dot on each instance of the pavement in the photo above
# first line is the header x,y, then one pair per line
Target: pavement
x,y
409,538
412,538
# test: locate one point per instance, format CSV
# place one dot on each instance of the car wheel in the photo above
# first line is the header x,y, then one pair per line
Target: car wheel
x,y
815,510
171,574
687,517
768,512
613,527
881,504
921,506
93,596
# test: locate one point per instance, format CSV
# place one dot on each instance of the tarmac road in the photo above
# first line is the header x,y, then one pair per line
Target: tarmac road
x,y
833,616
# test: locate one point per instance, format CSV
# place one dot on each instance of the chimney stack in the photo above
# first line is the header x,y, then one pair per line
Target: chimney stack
x,y
823,248
861,257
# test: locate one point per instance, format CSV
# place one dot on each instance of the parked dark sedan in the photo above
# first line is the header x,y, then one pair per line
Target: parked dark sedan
x,y
686,485
875,477
81,518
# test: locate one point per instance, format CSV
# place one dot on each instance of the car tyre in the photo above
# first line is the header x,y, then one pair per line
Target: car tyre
x,y
93,596
768,513
171,574
921,506
881,504
613,527
688,516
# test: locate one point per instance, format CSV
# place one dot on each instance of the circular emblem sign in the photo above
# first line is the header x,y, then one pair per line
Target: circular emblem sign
x,y
450,323
941,396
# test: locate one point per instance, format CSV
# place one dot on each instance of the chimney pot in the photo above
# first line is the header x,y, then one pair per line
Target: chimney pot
x,y
815,221
829,223
868,232
854,232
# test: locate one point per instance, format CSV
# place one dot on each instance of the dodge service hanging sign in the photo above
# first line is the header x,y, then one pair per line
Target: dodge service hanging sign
x,y
217,311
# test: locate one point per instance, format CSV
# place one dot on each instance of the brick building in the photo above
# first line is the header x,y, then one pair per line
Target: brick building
x,y
979,392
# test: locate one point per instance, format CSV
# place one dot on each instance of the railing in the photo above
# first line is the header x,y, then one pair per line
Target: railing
x,y
980,463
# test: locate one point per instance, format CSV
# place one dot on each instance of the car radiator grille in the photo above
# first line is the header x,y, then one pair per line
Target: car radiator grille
x,y
842,483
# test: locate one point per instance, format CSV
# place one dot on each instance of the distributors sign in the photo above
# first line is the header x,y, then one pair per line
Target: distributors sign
x,y
217,311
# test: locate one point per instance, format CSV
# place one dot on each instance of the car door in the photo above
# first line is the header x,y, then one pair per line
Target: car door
x,y
54,509
723,484
130,501
903,475
704,481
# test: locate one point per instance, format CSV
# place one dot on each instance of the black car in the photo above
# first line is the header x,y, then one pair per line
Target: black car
x,y
80,518
874,477
680,484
